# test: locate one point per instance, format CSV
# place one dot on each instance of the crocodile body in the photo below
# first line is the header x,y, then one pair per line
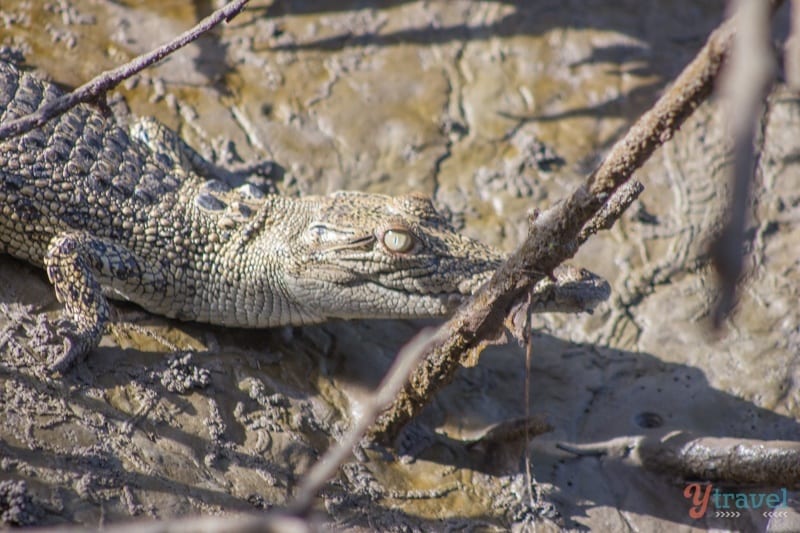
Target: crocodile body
x,y
127,212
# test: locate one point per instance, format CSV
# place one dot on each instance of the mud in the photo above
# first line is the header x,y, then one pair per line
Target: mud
x,y
492,107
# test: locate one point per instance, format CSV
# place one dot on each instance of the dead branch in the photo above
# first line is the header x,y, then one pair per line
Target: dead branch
x,y
612,210
746,83
724,460
324,469
106,81
273,522
688,457
792,57
554,235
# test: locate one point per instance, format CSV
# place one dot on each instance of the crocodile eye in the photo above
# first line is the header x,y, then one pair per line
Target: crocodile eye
x,y
398,240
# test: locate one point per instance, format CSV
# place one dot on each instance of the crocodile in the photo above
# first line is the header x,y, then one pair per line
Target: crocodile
x,y
127,210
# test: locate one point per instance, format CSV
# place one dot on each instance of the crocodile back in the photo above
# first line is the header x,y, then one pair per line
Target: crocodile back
x,y
80,171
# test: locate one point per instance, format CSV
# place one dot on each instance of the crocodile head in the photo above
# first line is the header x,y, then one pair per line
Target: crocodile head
x,y
373,256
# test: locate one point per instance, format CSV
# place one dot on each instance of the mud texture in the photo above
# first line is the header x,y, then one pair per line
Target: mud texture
x,y
492,107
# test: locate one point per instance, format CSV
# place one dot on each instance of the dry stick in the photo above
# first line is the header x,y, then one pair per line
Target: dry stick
x,y
731,461
792,57
612,210
746,83
324,469
554,234
108,80
533,499
272,522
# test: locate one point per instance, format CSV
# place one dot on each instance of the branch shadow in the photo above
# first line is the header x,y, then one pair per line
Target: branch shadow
x,y
528,18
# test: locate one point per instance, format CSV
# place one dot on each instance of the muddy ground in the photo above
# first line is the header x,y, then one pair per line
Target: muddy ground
x,y
491,107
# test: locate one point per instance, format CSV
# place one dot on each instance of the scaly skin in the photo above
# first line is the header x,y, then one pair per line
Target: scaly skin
x,y
128,213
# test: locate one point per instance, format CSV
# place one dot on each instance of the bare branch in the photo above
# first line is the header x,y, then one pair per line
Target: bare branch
x,y
738,462
612,210
792,57
726,460
108,80
746,83
324,469
273,522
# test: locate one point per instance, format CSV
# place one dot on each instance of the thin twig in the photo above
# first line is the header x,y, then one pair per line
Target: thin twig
x,y
111,78
534,499
746,82
555,233
612,210
792,56
324,469
272,522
